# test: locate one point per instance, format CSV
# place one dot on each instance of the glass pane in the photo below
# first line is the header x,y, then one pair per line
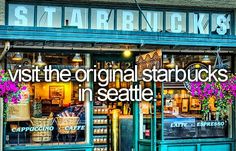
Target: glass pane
x,y
147,114
21,15
155,20
127,20
49,16
183,116
102,19
199,23
77,17
175,22
50,113
220,24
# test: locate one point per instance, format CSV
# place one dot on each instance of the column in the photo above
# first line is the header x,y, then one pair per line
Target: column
x,y
2,12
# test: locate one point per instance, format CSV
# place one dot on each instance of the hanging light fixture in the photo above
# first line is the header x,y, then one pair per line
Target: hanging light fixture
x,y
206,59
17,57
77,58
172,62
39,62
165,59
127,53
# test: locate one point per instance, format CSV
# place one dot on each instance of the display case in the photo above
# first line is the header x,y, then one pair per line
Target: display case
x,y
101,129
53,114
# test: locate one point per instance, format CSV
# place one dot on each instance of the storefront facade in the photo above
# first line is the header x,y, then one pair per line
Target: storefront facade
x,y
58,33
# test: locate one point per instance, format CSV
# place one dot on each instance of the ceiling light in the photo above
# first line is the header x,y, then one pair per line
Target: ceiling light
x,y
172,62
127,53
77,58
39,62
206,59
17,57
165,59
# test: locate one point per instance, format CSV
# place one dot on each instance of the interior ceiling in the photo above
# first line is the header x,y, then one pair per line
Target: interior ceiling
x,y
40,45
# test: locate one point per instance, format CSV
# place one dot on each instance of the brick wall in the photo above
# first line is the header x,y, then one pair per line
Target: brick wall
x,y
2,12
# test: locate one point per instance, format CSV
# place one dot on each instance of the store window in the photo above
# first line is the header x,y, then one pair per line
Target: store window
x,y
50,112
220,24
77,17
183,114
102,19
175,22
21,15
127,20
153,21
49,16
199,23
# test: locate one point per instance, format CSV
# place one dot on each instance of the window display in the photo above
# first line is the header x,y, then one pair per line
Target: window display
x,y
184,115
52,113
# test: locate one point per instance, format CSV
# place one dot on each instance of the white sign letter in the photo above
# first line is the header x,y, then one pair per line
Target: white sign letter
x,y
21,19
127,20
176,17
221,22
153,23
198,25
76,18
50,11
102,16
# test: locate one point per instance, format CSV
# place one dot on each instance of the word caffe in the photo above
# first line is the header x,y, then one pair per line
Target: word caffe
x,y
118,19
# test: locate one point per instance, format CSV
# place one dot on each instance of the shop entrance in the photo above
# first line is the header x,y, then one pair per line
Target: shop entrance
x,y
112,120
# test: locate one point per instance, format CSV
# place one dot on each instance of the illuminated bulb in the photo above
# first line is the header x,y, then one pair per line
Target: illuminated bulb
x,y
127,53
206,59
77,58
165,59
39,62
172,63
17,57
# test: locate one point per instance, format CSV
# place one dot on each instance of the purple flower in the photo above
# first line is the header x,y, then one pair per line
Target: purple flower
x,y
6,100
24,88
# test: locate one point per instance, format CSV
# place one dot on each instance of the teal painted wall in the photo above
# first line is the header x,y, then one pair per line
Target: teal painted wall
x,y
223,146
182,148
